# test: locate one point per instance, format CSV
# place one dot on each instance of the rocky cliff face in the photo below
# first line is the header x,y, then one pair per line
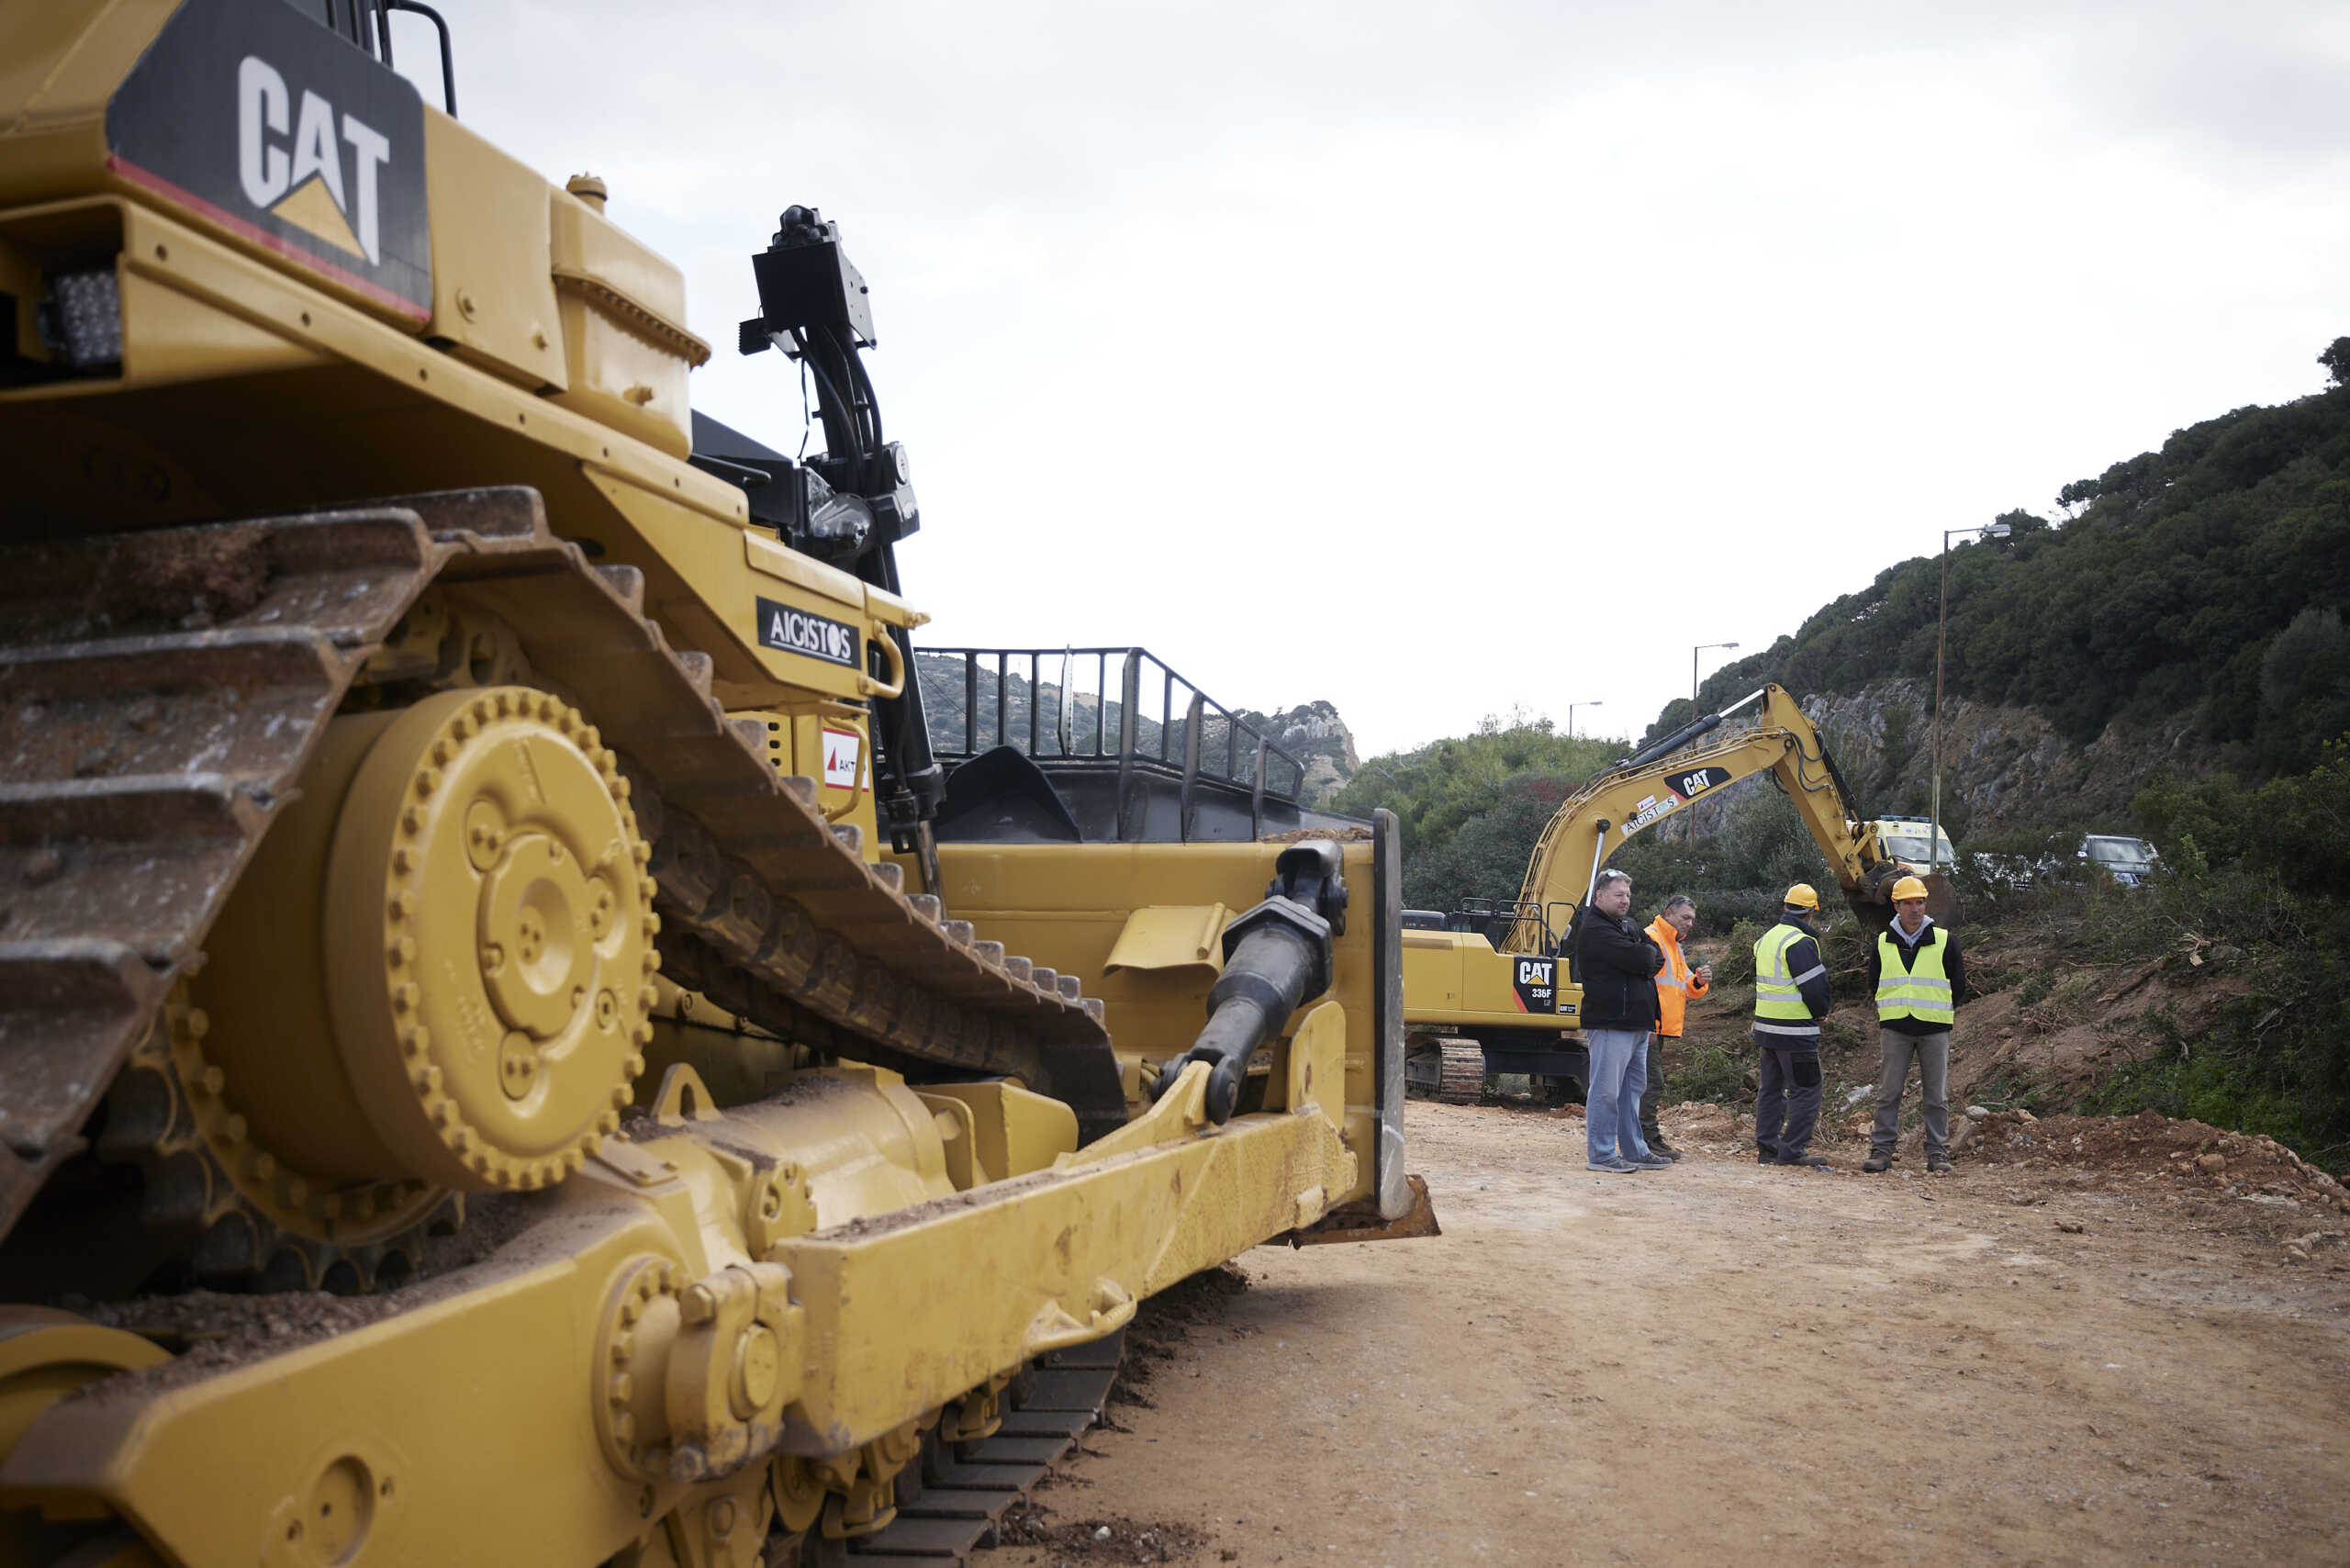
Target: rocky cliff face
x,y
2003,768
1315,734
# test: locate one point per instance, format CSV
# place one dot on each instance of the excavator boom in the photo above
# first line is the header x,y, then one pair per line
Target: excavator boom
x,y
1702,759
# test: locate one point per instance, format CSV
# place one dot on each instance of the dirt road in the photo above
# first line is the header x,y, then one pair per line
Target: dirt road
x,y
1724,1364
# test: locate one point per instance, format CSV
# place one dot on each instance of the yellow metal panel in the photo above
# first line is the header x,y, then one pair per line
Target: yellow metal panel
x,y
963,1283
586,244
61,61
768,558
1497,1018
891,611
622,380
717,608
212,1469
623,309
1015,1131
1171,937
1311,1065
1065,905
500,1452
493,293
1487,980
177,340
1431,972
804,738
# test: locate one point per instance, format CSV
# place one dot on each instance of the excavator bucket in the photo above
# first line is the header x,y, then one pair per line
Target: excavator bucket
x,y
1941,903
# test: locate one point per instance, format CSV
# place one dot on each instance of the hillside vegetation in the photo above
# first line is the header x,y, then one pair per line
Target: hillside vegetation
x,y
1471,806
2204,585
2208,577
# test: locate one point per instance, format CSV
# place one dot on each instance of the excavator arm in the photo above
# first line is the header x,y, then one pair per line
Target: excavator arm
x,y
1698,759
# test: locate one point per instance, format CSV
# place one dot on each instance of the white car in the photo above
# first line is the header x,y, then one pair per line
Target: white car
x,y
1912,840
2129,861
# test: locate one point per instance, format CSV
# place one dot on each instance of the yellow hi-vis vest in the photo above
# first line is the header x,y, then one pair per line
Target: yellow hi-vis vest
x,y
1778,998
1919,988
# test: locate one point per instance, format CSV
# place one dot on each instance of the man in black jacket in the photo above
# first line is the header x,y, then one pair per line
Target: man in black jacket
x,y
1616,963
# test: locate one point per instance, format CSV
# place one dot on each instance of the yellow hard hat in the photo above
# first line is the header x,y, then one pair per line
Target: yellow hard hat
x,y
1909,888
1802,897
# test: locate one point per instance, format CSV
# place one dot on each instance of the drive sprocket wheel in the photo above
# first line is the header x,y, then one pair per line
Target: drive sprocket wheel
x,y
433,980
241,1211
489,930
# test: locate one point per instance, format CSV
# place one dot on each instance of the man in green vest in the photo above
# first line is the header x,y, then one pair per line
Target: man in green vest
x,y
1791,996
1917,976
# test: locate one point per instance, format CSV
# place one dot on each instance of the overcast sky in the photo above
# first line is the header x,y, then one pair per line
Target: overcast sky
x,y
1446,359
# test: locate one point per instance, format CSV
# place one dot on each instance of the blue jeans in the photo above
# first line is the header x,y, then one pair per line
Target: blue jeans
x,y
1612,1105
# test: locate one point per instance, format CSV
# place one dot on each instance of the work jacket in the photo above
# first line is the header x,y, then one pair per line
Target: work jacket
x,y
1614,964
1927,976
1791,991
1677,984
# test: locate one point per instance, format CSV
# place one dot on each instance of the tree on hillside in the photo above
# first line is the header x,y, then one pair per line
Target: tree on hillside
x,y
2304,689
1486,857
1437,788
2169,591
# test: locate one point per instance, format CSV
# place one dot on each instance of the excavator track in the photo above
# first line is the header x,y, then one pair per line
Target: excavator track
x,y
161,693
1448,1069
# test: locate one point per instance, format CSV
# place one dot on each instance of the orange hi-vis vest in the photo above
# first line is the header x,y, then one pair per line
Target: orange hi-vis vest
x,y
1676,984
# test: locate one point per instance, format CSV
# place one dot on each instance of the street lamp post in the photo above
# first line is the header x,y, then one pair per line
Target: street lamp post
x,y
1594,702
1942,642
1700,648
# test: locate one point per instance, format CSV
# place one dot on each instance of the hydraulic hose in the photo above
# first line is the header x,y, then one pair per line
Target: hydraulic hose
x,y
1275,957
1262,985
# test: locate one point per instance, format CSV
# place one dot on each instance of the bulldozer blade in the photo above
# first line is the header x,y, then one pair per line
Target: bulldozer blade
x,y
1362,1222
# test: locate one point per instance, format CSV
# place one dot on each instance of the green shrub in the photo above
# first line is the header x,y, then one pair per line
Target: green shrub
x,y
1736,965
1713,1072
2255,887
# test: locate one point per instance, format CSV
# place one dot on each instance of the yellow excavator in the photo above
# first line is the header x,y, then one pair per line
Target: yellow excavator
x,y
512,1048
1486,989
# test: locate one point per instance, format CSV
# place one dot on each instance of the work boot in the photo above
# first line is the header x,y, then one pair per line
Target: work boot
x,y
1663,1150
1937,1164
1766,1157
1812,1160
1877,1161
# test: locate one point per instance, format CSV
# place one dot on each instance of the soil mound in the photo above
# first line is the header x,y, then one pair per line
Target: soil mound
x,y
2243,1164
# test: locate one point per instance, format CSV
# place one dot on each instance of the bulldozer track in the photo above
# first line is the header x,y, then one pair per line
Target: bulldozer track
x,y
161,692
951,1501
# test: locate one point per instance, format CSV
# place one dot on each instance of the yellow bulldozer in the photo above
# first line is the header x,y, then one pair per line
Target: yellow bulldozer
x,y
1487,988
512,1048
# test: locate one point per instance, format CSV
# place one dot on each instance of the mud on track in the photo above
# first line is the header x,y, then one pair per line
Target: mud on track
x,y
1724,1364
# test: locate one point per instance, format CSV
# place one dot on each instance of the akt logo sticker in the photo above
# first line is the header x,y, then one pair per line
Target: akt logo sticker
x,y
843,748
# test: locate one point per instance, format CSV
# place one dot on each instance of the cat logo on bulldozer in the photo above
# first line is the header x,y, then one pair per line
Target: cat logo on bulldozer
x,y
296,142
342,213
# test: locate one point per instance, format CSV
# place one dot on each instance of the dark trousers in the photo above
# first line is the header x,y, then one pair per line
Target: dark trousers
x,y
1654,1093
1786,1107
